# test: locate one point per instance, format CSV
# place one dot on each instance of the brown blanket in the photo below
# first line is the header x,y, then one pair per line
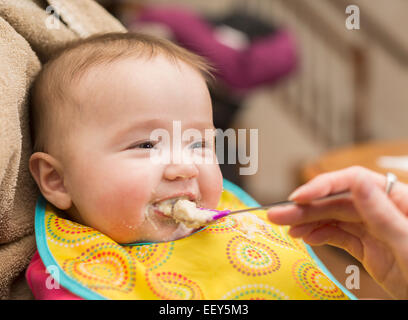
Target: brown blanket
x,y
28,35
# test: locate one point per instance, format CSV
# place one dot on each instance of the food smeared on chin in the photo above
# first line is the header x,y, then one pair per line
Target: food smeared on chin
x,y
186,212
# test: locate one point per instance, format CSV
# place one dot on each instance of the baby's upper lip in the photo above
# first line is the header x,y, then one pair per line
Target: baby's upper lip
x,y
190,195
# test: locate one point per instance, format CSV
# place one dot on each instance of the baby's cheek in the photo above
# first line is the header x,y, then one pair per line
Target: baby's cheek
x,y
121,211
211,186
126,196
111,197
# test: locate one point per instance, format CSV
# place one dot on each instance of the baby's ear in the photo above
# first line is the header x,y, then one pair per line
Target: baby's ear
x,y
48,173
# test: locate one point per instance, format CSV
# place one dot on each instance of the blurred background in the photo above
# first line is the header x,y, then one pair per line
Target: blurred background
x,y
321,96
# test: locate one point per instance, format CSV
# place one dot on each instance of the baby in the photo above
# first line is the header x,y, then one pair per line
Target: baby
x,y
94,108
115,210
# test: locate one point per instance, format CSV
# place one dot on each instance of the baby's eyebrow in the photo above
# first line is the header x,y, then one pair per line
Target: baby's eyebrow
x,y
147,126
144,125
201,126
159,123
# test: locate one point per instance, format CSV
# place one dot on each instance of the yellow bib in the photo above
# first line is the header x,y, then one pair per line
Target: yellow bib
x,y
239,257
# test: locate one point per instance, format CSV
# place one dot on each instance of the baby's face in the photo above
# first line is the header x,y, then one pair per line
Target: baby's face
x,y
108,169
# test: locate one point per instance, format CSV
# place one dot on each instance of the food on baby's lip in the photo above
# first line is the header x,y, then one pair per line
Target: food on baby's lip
x,y
186,212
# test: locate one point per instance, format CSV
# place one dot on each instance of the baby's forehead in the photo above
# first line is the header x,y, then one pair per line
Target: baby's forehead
x,y
59,93
135,77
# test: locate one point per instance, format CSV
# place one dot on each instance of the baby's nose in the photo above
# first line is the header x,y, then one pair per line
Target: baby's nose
x,y
180,171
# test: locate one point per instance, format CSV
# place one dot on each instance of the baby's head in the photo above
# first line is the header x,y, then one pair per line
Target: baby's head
x,y
94,108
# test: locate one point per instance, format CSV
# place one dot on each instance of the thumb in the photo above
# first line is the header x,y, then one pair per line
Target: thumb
x,y
378,212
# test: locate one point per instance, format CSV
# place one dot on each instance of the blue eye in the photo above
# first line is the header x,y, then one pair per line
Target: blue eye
x,y
200,144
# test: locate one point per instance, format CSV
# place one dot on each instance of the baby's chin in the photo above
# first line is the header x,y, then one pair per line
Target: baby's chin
x,y
171,233
181,232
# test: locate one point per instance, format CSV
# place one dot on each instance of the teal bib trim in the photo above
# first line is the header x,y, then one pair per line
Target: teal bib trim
x,y
48,260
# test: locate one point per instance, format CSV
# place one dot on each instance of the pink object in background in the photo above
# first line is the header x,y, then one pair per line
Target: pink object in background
x,y
263,61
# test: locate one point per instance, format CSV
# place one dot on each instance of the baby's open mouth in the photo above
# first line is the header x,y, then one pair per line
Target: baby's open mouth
x,y
166,206
185,211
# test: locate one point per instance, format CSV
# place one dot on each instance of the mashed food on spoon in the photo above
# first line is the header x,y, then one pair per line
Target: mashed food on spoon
x,y
186,212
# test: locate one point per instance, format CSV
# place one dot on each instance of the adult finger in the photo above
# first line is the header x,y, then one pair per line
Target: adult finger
x,y
378,212
340,209
302,230
355,229
337,237
333,182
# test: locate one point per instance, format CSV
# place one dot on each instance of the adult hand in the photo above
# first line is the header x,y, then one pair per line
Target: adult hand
x,y
371,225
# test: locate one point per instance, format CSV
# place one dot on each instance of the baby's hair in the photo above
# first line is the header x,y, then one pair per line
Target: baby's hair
x,y
70,63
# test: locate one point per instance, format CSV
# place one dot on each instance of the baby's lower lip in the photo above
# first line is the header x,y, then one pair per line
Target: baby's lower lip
x,y
157,211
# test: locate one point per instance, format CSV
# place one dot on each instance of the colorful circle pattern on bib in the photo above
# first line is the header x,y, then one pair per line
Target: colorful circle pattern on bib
x,y
250,257
279,236
103,266
314,282
223,225
173,286
255,292
153,256
68,233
